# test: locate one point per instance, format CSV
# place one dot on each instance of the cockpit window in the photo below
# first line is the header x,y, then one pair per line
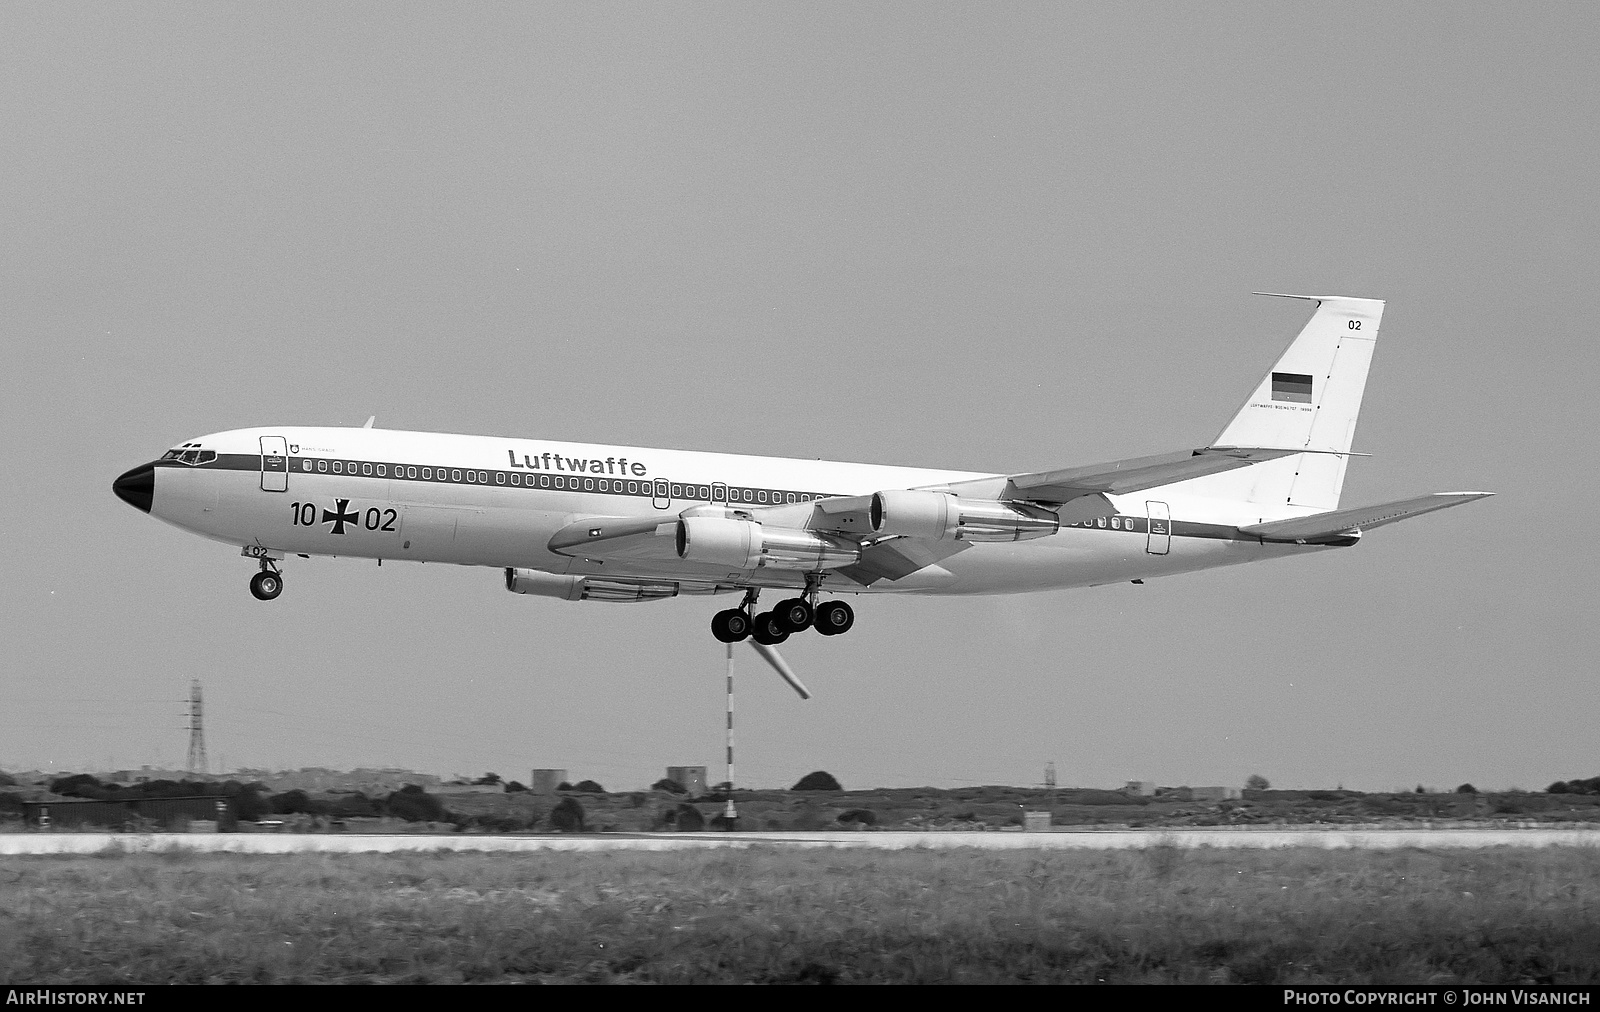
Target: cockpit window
x,y
190,453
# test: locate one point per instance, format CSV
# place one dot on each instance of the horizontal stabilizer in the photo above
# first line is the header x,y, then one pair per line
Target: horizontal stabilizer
x,y
1324,527
1136,473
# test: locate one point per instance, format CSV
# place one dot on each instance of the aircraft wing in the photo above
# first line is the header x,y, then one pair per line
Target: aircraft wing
x,y
1136,473
1322,527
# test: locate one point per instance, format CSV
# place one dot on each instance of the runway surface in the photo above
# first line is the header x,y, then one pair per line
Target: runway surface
x,y
356,843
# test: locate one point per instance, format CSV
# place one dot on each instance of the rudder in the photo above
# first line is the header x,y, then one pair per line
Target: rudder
x,y
1308,401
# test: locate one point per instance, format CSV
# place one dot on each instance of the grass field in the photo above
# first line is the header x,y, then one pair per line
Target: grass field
x,y
782,916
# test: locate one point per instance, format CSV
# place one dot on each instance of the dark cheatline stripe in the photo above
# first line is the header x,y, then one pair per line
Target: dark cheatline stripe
x,y
643,488
1291,386
1179,528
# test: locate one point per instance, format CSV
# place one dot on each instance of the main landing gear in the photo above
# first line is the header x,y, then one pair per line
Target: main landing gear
x,y
793,615
268,583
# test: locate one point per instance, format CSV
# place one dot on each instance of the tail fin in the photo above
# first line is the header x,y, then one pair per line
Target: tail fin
x,y
1309,401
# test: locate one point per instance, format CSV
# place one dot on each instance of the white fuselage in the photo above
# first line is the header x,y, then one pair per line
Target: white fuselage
x,y
496,501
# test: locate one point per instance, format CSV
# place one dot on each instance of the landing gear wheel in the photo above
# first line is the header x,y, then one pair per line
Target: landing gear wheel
x,y
266,585
730,626
769,630
795,614
835,617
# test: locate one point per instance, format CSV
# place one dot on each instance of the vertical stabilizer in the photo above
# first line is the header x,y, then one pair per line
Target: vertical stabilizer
x,y
1308,401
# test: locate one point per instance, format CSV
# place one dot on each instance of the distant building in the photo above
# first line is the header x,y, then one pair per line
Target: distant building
x,y
1140,788
468,789
546,781
690,778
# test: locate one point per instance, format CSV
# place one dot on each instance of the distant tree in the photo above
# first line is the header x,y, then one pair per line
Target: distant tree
x,y
819,780
588,787
689,819
1466,789
567,816
413,804
249,805
865,816
1559,787
1257,782
563,786
1421,789
515,786
488,778
352,806
670,786
293,802
80,785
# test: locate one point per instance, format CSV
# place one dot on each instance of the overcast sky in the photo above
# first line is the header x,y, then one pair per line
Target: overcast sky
x,y
996,238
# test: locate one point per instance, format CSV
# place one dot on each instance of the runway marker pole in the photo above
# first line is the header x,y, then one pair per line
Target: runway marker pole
x,y
730,813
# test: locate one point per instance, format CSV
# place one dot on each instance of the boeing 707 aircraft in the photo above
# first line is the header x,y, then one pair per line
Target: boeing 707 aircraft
x,y
587,522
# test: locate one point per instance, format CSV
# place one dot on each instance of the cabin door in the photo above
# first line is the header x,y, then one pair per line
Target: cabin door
x,y
274,464
1159,540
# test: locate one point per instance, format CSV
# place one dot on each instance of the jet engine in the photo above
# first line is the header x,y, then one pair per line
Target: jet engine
x,y
940,516
745,544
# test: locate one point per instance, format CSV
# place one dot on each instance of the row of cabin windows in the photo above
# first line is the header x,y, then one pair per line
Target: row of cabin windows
x,y
657,489
1116,523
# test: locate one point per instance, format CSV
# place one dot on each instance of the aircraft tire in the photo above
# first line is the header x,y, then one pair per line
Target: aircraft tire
x,y
266,585
730,626
835,617
769,629
795,614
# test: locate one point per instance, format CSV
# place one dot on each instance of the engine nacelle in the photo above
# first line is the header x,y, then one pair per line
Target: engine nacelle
x,y
745,544
584,588
940,516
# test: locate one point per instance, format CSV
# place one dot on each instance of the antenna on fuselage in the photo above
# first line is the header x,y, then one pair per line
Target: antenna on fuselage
x,y
370,420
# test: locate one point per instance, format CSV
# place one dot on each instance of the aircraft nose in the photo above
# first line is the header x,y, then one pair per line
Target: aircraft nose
x,y
137,487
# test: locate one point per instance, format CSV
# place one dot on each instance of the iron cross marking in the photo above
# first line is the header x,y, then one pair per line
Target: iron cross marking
x,y
339,519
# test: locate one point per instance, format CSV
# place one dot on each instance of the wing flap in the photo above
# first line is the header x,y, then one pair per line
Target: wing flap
x,y
899,558
1346,523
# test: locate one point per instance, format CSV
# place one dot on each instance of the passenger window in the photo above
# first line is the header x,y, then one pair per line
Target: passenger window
x,y
454,475
322,465
305,465
381,470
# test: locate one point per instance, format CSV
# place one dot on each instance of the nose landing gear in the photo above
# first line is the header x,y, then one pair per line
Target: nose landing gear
x,y
268,583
